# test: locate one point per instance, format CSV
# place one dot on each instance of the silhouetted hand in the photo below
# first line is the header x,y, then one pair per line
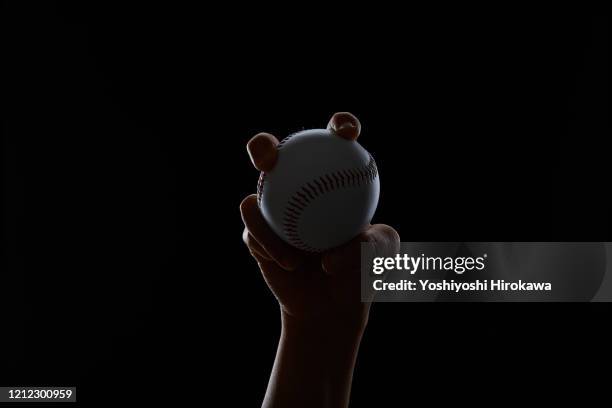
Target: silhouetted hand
x,y
319,294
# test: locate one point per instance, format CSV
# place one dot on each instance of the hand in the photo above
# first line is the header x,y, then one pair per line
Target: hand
x,y
323,317
311,288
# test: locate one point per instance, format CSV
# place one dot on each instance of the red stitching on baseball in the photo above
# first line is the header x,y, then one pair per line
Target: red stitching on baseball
x,y
344,178
325,183
290,212
285,140
331,182
298,200
319,185
354,177
312,192
325,188
303,196
260,185
336,180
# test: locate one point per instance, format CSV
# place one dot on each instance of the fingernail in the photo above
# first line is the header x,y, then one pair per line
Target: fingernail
x,y
347,125
347,130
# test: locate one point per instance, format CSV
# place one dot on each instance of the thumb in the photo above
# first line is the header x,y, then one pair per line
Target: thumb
x,y
347,257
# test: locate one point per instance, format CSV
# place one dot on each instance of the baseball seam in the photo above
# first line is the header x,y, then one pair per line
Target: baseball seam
x,y
285,140
262,176
315,188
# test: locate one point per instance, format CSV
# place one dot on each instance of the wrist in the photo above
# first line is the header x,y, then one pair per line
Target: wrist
x,y
339,326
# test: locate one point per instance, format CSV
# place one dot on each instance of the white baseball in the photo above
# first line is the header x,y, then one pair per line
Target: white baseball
x,y
322,192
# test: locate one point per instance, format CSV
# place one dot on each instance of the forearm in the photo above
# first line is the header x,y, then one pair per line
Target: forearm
x,y
314,364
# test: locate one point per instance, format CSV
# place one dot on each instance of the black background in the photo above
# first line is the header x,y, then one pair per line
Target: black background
x,y
125,161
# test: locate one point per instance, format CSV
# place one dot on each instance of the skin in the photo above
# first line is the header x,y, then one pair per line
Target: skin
x,y
322,316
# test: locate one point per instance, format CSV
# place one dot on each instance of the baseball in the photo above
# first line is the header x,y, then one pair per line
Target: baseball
x,y
321,193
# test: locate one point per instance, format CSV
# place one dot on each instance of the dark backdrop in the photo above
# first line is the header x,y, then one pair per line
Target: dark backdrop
x,y
125,161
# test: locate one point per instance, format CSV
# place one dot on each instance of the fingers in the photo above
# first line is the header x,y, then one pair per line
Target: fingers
x,y
344,258
256,249
386,239
275,276
262,147
281,252
348,257
345,125
262,151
